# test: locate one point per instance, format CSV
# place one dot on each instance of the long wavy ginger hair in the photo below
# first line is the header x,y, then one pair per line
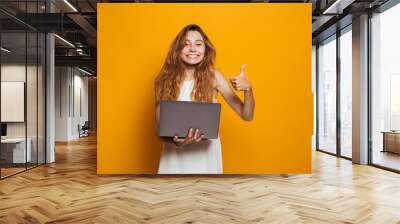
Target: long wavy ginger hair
x,y
171,76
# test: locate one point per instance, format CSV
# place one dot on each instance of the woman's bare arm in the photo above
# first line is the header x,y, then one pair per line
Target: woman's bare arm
x,y
244,109
158,115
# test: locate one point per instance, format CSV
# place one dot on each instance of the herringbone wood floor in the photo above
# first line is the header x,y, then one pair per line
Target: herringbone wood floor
x,y
69,191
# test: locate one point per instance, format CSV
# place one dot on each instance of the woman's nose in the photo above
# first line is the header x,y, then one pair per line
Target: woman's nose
x,y
192,47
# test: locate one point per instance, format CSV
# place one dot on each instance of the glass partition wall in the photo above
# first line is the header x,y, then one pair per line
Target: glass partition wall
x,y
327,95
385,89
334,103
334,93
345,62
22,88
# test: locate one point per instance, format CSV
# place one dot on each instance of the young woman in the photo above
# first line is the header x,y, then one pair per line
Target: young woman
x,y
188,74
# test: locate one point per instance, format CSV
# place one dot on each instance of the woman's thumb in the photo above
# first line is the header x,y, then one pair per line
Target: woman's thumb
x,y
242,69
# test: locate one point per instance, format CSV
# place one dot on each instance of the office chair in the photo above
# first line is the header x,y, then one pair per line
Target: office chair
x,y
84,130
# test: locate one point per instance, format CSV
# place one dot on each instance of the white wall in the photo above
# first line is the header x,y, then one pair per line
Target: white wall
x,y
62,78
79,117
71,94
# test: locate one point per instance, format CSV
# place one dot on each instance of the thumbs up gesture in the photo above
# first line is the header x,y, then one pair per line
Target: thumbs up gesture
x,y
240,82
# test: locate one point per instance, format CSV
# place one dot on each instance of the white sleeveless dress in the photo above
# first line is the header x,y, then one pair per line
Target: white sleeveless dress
x,y
204,157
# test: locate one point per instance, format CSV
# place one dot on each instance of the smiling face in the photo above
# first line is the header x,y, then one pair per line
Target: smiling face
x,y
191,47
194,48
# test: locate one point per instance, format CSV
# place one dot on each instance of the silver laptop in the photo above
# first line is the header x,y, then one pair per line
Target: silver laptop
x,y
176,117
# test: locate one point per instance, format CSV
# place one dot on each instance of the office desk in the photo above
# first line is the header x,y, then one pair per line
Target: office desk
x,y
391,141
13,150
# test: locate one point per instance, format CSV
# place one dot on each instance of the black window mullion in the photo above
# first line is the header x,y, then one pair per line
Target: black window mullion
x,y
338,93
317,97
369,90
37,90
26,87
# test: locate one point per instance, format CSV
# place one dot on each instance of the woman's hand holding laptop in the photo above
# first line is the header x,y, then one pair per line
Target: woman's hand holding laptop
x,y
191,137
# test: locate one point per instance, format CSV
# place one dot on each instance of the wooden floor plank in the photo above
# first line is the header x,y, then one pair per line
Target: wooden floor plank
x,y
70,191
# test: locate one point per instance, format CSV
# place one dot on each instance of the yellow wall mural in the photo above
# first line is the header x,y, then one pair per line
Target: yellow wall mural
x,y
274,40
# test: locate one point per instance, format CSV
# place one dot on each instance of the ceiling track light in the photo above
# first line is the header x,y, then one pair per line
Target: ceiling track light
x,y
337,7
64,40
70,5
84,71
5,50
